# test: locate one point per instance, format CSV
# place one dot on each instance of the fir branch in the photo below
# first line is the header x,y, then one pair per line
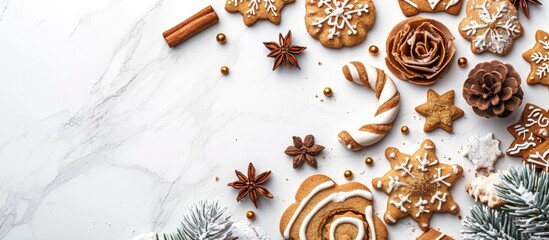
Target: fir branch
x,y
526,195
486,223
204,220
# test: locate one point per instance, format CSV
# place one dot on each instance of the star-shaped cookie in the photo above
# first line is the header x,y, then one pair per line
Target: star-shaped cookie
x,y
418,185
538,57
482,151
439,111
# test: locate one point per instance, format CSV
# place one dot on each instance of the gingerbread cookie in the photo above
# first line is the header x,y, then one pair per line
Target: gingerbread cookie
x,y
483,190
418,185
420,50
531,137
338,23
538,57
413,7
482,151
388,105
253,10
433,234
326,210
439,111
491,25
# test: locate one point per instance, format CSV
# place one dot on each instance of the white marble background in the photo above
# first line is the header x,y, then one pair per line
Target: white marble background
x,y
106,133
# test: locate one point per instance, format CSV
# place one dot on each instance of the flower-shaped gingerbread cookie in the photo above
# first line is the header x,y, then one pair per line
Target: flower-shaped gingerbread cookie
x,y
491,25
338,23
253,10
538,57
326,210
418,185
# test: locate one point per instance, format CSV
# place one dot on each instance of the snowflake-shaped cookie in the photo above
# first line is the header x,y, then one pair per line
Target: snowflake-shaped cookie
x,y
482,151
491,25
538,57
418,185
338,23
253,10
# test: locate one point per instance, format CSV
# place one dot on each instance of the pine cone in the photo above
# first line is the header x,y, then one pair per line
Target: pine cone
x,y
493,89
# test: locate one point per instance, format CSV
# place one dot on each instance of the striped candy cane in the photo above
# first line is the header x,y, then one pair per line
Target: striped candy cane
x,y
387,108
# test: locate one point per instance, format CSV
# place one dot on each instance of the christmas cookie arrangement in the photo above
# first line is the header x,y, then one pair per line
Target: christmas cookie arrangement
x,y
420,51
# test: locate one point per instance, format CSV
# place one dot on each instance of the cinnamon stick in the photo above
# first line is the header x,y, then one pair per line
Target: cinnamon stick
x,y
191,26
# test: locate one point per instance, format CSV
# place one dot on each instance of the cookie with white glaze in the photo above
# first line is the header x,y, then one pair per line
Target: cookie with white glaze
x,y
483,190
324,208
418,185
413,7
339,23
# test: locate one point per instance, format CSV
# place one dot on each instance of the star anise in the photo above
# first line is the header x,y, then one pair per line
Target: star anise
x,y
523,5
284,52
304,151
251,185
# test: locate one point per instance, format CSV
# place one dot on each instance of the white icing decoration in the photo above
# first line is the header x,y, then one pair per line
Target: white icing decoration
x,y
495,31
440,236
455,169
400,205
439,198
253,6
483,189
413,4
370,220
420,208
334,197
355,221
405,167
338,16
538,57
424,163
379,184
483,152
439,178
536,117
433,3
304,202
392,155
540,159
451,3
388,92
428,147
394,184
390,218
530,140
453,208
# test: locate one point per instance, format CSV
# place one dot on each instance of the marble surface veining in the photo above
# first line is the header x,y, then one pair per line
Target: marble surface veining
x,y
106,133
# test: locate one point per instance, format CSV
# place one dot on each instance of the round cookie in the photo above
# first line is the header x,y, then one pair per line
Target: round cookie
x,y
338,23
491,25
420,50
324,208
418,185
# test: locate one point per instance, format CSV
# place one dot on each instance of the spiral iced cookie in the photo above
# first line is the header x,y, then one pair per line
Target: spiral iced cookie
x,y
326,210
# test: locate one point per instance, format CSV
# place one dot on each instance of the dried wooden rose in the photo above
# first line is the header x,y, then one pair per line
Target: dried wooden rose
x,y
420,50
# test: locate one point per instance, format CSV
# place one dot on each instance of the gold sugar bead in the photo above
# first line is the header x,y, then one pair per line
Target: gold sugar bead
x,y
221,38
374,50
462,62
225,70
250,214
328,92
405,130
348,174
369,161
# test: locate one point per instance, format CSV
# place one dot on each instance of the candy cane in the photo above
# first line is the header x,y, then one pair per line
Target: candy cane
x,y
387,108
